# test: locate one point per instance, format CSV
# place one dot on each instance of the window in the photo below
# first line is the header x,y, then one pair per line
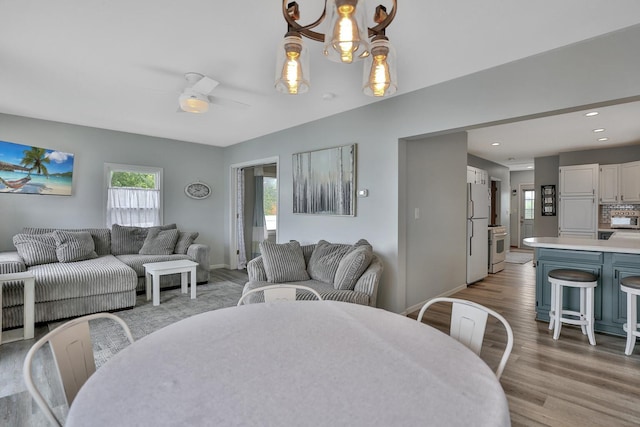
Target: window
x,y
134,195
529,202
270,202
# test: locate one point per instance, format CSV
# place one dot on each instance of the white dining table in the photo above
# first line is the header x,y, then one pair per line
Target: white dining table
x,y
299,363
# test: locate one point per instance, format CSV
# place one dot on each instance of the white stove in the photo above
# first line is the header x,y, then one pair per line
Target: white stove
x,y
497,248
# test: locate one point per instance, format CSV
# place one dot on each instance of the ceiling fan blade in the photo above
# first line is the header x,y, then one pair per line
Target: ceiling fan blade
x,y
224,102
205,85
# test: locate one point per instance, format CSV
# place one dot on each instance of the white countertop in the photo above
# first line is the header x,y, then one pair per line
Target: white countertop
x,y
627,242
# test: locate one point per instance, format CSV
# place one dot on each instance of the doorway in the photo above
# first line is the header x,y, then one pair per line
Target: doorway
x,y
254,209
527,212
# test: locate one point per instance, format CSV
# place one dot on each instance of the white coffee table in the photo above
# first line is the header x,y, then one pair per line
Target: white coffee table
x,y
26,332
154,270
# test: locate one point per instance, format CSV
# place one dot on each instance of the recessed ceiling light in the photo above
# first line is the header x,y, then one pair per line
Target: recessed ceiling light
x,y
603,139
529,167
495,144
599,130
592,113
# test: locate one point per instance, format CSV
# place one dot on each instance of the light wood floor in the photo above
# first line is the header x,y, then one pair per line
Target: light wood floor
x,y
552,383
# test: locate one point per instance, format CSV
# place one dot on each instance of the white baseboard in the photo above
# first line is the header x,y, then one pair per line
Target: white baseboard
x,y
216,266
448,293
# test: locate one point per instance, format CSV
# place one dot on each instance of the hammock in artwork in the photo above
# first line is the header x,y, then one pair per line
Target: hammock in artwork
x,y
17,183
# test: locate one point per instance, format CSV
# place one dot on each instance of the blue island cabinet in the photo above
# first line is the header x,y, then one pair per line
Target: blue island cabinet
x,y
610,267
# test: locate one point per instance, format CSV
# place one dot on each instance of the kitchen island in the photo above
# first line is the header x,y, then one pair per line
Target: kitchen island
x,y
611,260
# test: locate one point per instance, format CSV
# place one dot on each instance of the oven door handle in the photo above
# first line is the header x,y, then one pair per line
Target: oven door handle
x,y
500,234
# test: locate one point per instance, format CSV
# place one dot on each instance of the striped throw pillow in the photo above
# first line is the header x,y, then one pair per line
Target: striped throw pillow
x,y
74,246
36,249
283,262
185,239
352,266
325,260
159,242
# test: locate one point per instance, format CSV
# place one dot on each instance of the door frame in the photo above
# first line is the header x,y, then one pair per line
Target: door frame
x,y
521,190
233,211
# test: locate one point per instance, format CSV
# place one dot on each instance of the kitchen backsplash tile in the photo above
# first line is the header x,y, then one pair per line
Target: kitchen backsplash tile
x,y
605,211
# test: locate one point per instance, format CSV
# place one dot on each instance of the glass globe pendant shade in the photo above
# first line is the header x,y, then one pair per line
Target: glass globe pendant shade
x,y
380,77
292,66
346,36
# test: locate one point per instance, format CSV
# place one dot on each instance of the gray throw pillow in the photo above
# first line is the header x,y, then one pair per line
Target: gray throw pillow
x,y
159,242
129,240
36,249
283,262
325,260
185,239
74,246
352,266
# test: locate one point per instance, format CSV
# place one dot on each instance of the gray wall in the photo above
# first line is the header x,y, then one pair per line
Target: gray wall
x,y
588,73
546,173
603,156
517,178
182,163
435,243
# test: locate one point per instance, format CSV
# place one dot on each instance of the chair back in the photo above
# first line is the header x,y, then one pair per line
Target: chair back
x,y
468,324
279,292
73,357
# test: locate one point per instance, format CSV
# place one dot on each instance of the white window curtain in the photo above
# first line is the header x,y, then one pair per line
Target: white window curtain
x,y
259,226
133,207
242,249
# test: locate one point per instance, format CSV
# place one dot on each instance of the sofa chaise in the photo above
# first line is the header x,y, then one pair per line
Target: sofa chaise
x,y
83,271
339,272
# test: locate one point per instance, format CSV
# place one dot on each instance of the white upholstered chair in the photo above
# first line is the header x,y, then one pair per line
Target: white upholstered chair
x,y
468,323
73,356
280,292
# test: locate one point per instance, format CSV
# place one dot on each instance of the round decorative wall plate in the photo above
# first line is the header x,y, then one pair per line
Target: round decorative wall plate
x,y
197,190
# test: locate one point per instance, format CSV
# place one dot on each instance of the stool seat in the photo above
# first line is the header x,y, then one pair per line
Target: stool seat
x,y
573,275
586,282
631,286
632,282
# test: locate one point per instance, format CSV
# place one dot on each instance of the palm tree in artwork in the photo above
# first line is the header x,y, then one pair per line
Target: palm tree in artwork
x,y
35,159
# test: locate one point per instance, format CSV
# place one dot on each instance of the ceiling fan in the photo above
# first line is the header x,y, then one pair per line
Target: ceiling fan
x,y
196,97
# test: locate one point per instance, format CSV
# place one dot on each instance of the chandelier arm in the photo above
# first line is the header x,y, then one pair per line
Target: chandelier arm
x,y
379,29
304,30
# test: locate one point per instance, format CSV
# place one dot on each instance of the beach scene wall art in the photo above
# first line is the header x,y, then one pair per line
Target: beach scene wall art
x,y
324,181
34,170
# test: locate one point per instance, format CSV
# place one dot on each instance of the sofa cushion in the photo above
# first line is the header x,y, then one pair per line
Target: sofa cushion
x,y
74,245
325,260
101,236
326,291
159,242
129,240
352,265
185,239
283,262
36,249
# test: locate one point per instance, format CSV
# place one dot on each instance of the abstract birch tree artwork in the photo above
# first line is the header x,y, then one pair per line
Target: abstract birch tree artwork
x,y
324,181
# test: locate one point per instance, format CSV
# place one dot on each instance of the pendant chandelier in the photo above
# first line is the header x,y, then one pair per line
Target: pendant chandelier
x,y
346,41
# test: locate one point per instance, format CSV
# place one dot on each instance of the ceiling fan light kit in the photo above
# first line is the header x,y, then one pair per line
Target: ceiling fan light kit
x,y
193,102
346,41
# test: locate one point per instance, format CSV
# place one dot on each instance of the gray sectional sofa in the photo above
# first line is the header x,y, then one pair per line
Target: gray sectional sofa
x,y
85,271
339,272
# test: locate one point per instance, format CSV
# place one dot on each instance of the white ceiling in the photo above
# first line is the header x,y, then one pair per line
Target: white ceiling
x,y
119,64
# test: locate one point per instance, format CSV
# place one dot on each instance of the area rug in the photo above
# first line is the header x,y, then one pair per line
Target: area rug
x,y
144,318
519,257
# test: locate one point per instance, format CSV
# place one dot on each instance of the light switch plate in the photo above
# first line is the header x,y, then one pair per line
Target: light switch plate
x,y
363,193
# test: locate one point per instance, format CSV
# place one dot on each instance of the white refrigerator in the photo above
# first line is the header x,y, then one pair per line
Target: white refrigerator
x,y
477,232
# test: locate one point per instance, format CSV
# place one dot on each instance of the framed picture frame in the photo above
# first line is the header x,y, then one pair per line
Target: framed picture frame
x,y
548,205
324,181
28,169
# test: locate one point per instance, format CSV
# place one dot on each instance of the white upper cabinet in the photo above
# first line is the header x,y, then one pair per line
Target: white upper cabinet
x,y
579,181
477,176
609,188
630,182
